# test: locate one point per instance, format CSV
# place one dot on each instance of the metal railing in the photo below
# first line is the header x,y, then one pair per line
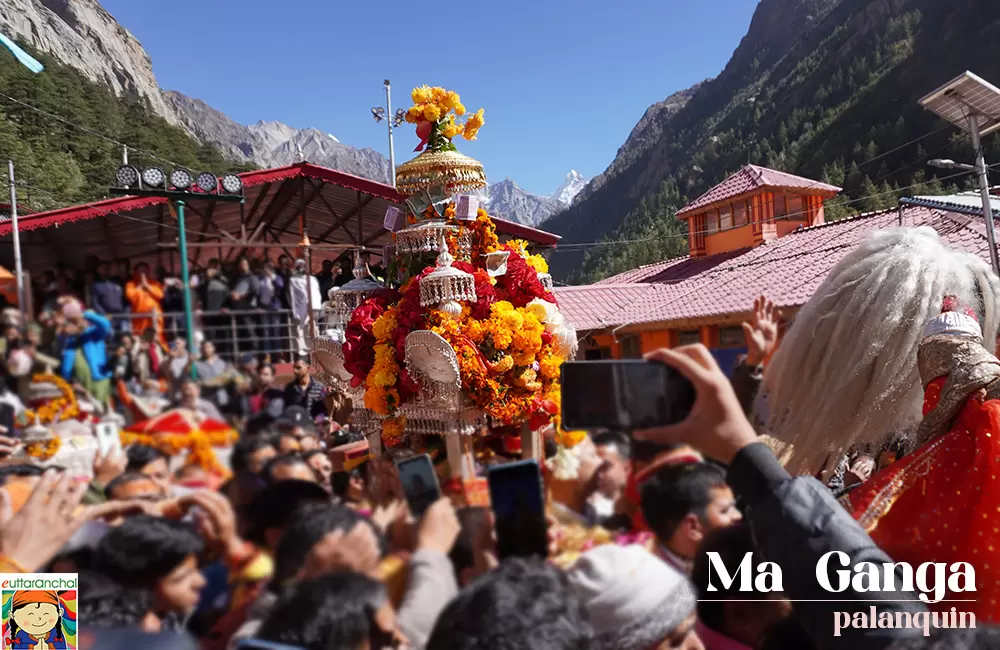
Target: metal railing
x,y
276,334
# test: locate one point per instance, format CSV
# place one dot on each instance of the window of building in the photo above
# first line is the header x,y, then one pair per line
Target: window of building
x,y
796,210
726,217
631,346
740,214
712,221
596,354
780,209
731,337
688,337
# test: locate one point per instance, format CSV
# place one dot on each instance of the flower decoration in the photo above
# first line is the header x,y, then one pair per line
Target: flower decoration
x,y
43,449
436,111
55,410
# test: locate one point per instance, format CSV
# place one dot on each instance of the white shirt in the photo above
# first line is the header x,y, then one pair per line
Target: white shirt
x,y
299,297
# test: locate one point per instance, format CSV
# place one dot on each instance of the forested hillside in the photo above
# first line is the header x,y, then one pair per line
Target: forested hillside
x,y
826,89
58,164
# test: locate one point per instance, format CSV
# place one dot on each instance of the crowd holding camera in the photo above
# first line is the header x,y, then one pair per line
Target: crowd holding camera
x,y
306,547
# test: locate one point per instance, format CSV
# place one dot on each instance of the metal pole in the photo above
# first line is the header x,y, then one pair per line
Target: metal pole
x,y
309,293
984,191
392,153
18,271
185,281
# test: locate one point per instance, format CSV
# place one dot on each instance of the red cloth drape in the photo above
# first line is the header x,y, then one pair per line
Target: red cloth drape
x,y
942,503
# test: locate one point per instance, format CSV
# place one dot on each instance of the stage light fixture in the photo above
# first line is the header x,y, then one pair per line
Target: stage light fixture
x,y
399,117
378,113
153,176
181,178
127,176
207,182
232,184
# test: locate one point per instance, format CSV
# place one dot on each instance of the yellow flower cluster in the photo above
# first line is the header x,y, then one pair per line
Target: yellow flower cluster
x,y
536,262
381,395
440,107
43,449
392,430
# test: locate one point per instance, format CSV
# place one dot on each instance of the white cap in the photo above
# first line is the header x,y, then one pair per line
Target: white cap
x,y
634,599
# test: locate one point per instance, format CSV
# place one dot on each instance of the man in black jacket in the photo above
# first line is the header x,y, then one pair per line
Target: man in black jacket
x,y
795,521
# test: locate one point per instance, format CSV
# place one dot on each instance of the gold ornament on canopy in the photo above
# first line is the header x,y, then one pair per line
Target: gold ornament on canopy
x,y
455,171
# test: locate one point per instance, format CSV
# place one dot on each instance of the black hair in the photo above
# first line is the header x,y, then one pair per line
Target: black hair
x,y
732,543
121,481
144,550
313,452
336,610
462,553
310,524
340,482
620,442
261,424
239,460
103,603
525,604
787,633
141,455
276,504
675,491
284,460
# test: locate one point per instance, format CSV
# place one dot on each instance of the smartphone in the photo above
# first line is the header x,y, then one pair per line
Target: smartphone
x,y
420,484
7,417
623,395
108,438
518,504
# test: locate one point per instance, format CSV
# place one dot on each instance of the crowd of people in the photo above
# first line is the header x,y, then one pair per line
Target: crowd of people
x,y
300,550
249,306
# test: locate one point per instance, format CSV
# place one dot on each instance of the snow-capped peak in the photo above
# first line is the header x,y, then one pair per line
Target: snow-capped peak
x,y
571,186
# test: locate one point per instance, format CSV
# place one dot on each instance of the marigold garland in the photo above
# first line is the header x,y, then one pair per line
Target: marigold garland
x,y
43,449
64,407
199,445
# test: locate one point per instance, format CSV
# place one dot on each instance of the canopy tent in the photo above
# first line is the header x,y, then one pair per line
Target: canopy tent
x,y
331,207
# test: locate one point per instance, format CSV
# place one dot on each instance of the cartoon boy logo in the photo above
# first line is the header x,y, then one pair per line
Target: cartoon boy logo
x,y
39,620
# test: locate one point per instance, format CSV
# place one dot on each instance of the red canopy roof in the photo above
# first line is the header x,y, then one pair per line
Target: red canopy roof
x,y
336,208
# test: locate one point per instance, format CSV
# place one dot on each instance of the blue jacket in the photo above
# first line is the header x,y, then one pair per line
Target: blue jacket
x,y
92,342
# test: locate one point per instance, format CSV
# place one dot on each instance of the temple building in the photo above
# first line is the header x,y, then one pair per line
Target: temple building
x,y
760,231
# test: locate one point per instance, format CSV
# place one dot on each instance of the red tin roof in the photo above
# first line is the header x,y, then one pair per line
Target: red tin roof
x,y
787,270
752,178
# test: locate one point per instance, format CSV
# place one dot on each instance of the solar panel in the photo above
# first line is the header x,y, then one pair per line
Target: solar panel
x,y
967,95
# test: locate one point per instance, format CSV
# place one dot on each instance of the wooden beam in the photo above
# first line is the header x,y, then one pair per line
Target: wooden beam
x,y
159,234
208,220
257,202
281,198
360,205
304,203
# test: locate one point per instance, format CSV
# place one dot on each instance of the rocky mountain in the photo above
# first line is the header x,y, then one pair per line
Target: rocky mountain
x,y
571,186
273,144
81,34
826,89
508,201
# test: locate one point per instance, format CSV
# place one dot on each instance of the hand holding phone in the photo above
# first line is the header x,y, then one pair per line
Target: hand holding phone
x,y
420,484
623,395
716,425
518,504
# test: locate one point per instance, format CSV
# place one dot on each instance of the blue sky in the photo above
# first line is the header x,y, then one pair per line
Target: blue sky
x,y
562,82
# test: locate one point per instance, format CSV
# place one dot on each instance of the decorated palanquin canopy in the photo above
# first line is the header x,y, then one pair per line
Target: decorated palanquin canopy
x,y
465,336
180,430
